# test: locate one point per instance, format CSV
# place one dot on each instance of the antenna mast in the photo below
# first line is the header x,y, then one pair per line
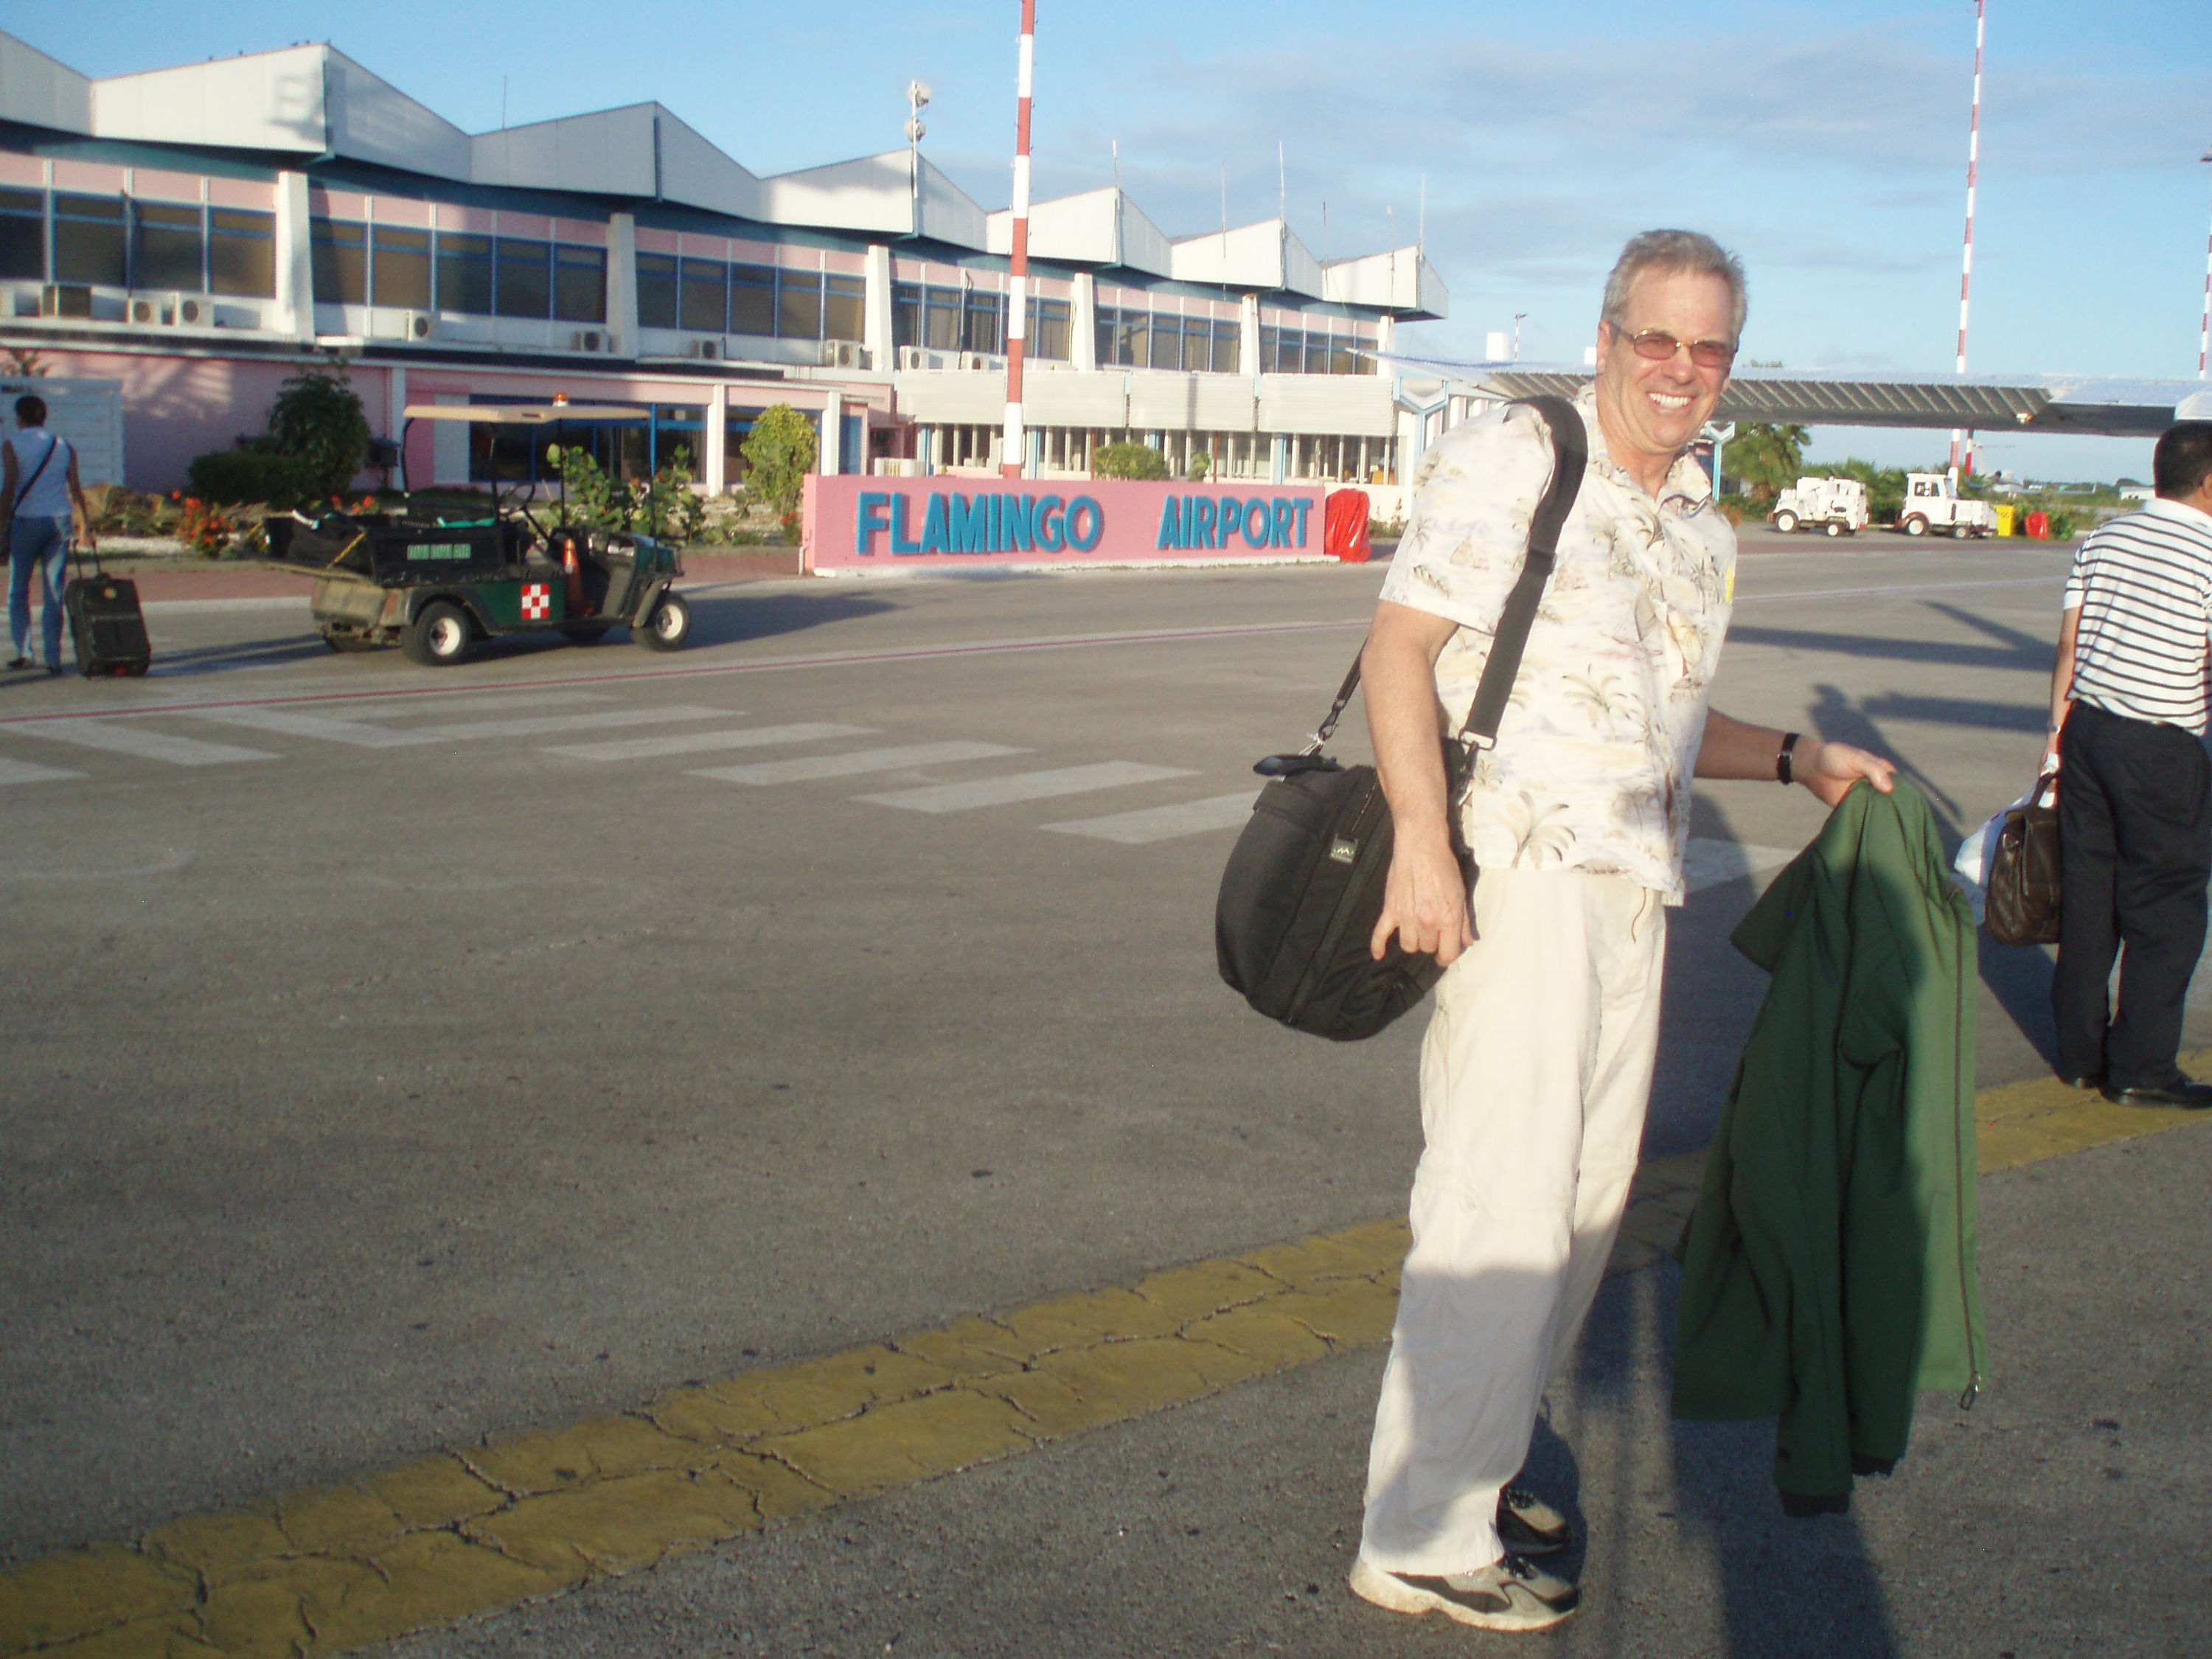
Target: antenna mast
x,y
1962,443
1013,456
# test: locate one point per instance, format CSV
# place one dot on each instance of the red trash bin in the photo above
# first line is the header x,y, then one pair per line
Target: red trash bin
x,y
1343,527
2038,526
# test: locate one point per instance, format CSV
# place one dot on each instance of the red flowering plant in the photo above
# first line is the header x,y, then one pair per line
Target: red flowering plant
x,y
205,531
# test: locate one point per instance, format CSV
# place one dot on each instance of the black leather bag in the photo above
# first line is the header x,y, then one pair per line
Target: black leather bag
x,y
2022,887
1303,888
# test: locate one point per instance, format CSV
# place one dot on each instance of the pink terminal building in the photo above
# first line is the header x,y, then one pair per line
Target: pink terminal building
x,y
191,236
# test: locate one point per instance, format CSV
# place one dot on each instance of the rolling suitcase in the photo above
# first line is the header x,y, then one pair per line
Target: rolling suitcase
x,y
108,629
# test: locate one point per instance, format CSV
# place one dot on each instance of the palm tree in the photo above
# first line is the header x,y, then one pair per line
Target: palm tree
x,y
1766,460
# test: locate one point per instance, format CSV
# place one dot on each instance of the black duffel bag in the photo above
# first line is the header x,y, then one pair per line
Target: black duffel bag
x,y
2022,880
1304,889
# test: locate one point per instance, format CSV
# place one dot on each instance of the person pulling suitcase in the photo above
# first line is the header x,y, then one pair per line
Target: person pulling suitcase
x,y
39,480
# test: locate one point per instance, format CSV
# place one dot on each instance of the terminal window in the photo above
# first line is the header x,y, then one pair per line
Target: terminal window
x,y
242,253
465,274
1048,330
341,262
580,283
170,247
399,268
1313,351
946,319
1129,338
23,234
89,244
524,282
768,301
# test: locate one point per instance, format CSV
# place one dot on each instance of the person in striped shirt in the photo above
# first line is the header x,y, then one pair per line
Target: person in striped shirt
x,y
2128,713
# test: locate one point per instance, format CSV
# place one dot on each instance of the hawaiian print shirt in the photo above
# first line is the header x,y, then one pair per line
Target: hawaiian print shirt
x,y
1592,767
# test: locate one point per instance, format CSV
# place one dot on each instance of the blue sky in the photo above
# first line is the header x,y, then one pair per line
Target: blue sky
x,y
1825,142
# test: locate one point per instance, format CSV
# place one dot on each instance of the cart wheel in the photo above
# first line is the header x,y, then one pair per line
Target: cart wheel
x,y
348,642
669,627
440,637
1835,528
1786,523
1915,525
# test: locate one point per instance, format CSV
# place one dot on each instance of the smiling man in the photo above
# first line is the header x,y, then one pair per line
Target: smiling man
x,y
1537,1065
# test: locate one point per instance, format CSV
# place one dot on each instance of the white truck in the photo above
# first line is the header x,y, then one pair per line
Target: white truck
x,y
1838,505
1932,502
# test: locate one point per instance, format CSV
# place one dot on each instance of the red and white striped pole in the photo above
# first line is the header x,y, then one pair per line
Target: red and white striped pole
x,y
1013,455
2204,333
1967,262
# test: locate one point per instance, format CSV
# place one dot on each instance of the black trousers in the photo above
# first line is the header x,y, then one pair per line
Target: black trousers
x,y
2135,839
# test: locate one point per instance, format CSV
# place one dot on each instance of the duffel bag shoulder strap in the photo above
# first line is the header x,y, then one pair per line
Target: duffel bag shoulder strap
x,y
1570,457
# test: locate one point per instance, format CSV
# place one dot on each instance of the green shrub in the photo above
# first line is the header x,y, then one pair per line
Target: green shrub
x,y
1128,460
780,451
233,477
317,420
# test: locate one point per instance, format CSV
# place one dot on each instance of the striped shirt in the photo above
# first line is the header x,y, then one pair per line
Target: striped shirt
x,y
2143,585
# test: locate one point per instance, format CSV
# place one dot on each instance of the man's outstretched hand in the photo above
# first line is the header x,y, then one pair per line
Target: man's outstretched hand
x,y
1831,768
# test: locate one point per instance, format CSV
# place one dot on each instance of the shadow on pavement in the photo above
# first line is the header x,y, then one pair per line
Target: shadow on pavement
x,y
1788,1587
728,618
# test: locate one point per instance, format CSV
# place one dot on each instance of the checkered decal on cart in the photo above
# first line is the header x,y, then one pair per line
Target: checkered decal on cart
x,y
537,601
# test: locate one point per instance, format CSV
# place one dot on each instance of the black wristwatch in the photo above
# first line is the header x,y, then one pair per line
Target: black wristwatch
x,y
1783,769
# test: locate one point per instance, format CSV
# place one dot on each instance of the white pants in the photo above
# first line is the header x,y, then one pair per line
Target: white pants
x,y
1535,1076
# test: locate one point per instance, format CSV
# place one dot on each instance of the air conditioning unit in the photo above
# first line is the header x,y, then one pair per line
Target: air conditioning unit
x,y
985,361
66,299
589,339
708,349
170,311
417,325
845,354
921,357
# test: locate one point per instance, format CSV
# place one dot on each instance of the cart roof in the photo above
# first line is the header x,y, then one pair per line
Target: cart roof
x,y
533,414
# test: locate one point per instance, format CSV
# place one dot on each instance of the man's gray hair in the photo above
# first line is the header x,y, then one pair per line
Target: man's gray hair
x,y
1670,251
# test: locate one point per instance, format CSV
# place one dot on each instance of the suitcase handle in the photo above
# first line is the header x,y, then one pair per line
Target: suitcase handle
x,y
78,553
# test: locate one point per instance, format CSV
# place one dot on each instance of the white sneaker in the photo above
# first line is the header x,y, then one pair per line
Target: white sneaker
x,y
1507,1595
1528,1527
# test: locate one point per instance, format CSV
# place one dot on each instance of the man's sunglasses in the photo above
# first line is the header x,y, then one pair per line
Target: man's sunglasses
x,y
1659,345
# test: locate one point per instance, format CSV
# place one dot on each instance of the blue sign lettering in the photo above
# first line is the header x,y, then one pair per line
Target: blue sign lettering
x,y
873,516
901,541
1302,504
1051,534
969,523
1020,511
1170,524
1081,541
934,537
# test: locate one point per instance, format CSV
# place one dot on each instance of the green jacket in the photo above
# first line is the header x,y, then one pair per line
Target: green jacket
x,y
1828,1272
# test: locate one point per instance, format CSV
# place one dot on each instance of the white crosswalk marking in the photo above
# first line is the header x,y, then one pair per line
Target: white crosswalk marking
x,y
1190,818
298,723
857,760
450,703
540,724
693,743
12,771
1024,786
1708,862
141,741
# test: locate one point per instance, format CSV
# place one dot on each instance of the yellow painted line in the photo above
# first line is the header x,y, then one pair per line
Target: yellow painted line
x,y
327,1570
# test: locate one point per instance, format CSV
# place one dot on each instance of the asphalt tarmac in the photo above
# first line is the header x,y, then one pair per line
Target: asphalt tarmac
x,y
398,1058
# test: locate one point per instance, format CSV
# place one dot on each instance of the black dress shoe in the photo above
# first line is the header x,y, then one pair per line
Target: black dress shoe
x,y
2183,1091
2082,1079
